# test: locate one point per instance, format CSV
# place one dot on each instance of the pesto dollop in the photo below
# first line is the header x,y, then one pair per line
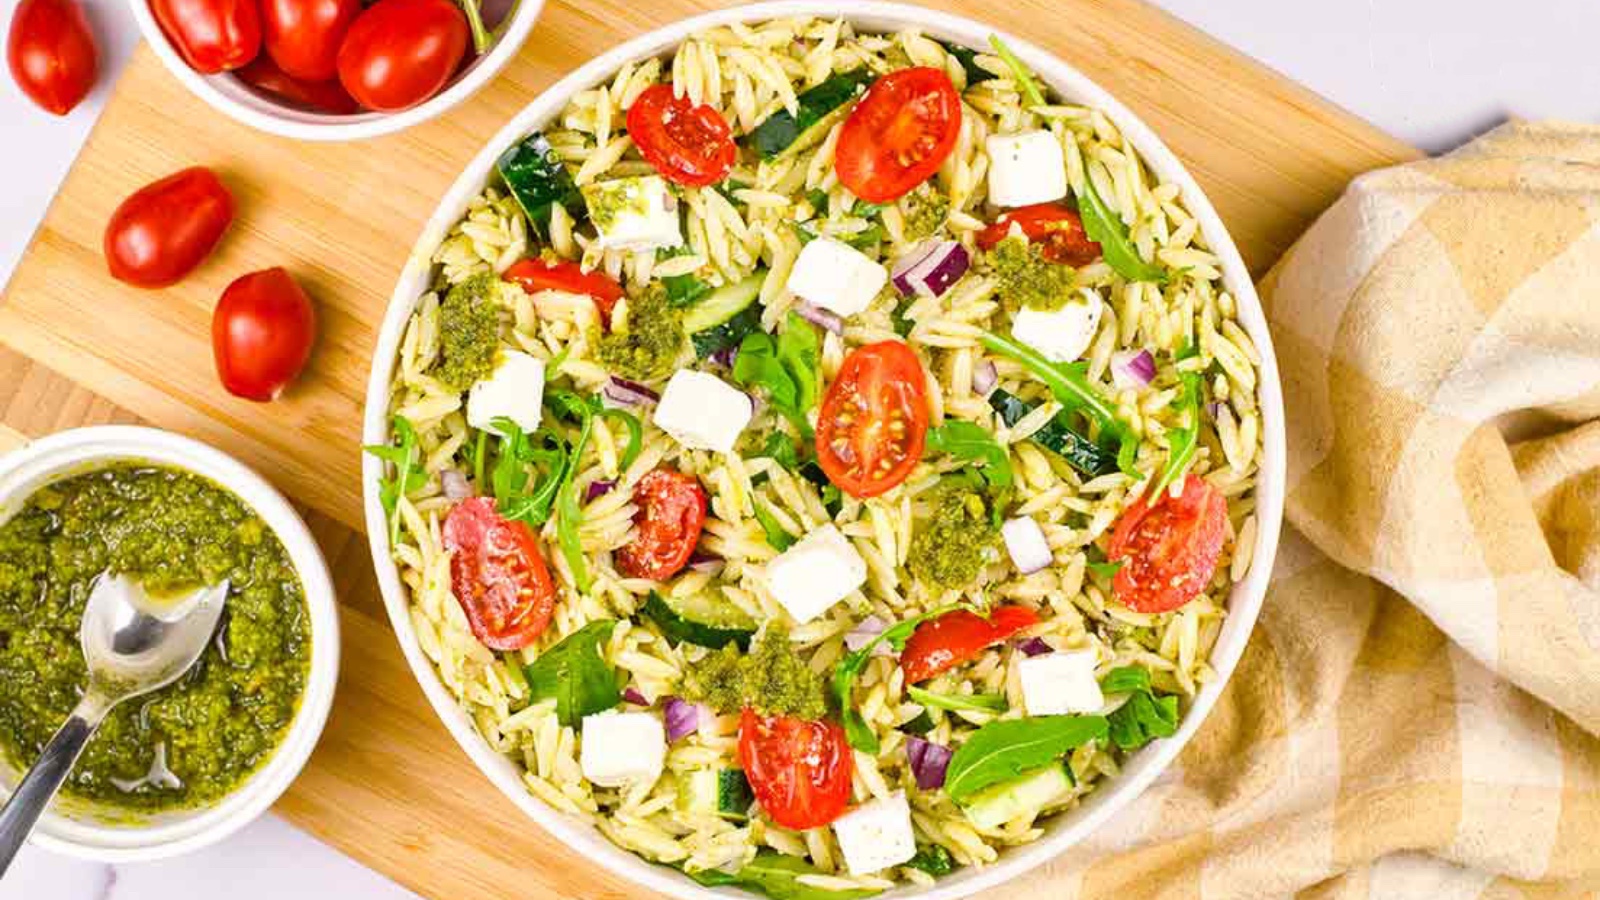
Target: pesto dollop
x,y
772,678
469,332
926,210
951,547
647,345
174,531
1028,278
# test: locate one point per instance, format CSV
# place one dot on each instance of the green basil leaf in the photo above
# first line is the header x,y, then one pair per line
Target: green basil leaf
x,y
777,875
800,352
1106,229
575,674
757,365
1144,716
972,702
1006,748
966,440
781,448
1126,680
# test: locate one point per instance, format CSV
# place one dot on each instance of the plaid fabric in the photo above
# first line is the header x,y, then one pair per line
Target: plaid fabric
x,y
1416,714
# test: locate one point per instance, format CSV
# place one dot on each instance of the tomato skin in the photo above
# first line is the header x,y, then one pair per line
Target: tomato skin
x,y
319,96
498,575
167,228
261,334
1168,549
688,144
303,36
958,636
535,275
211,35
399,53
51,52
799,771
880,387
672,513
899,134
1056,229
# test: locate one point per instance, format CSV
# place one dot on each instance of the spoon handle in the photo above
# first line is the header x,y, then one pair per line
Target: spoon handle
x,y
45,777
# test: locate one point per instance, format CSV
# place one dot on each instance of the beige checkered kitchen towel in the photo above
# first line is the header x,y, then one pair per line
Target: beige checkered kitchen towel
x,y
1416,715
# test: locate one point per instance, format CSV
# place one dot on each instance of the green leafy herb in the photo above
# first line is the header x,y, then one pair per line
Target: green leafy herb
x,y
1184,440
1071,387
635,432
966,440
781,448
800,351
866,237
848,669
897,318
1057,435
509,477
804,233
818,198
777,875
1145,715
1006,748
569,516
780,539
682,290
1019,72
932,859
408,476
968,702
921,724
968,58
787,368
1105,228
576,675
480,452
1106,568
865,210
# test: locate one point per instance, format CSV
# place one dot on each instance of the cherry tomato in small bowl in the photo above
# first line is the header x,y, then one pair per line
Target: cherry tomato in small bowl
x,y
51,53
498,575
303,36
167,228
535,275
799,770
688,144
899,134
874,419
957,637
261,334
672,512
322,96
1055,229
399,53
1169,548
211,35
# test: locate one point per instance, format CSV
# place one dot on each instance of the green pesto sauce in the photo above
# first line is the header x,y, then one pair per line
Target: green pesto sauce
x,y
469,332
772,678
646,347
609,199
1028,278
926,210
174,531
950,548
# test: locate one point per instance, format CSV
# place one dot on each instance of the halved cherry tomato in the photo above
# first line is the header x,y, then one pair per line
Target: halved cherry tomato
x,y
957,637
799,771
1169,548
672,512
874,419
1056,229
211,35
498,575
688,144
303,36
321,96
535,275
899,134
167,228
261,334
51,53
399,53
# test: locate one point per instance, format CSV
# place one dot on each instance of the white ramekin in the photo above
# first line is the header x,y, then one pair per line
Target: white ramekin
x,y
226,93
74,827
1244,604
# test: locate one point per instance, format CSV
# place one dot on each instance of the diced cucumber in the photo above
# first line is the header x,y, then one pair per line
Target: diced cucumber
x,y
733,795
724,792
1057,435
706,619
731,333
724,303
993,807
817,111
697,791
534,173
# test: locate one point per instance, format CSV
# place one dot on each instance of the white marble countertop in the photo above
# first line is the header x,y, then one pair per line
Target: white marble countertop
x,y
1433,72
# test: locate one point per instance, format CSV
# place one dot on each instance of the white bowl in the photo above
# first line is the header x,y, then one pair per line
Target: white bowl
x,y
1244,604
74,827
226,93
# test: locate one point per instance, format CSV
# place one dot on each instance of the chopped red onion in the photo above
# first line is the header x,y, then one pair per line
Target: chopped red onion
x,y
454,484
984,378
683,718
930,268
928,762
598,488
816,315
864,632
1213,410
725,356
633,696
1132,368
622,392
1035,646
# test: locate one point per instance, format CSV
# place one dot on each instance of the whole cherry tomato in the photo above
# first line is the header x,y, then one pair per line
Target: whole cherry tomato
x,y
399,53
52,53
688,144
498,575
899,133
958,636
672,511
1168,548
211,35
798,770
1056,229
874,419
303,36
320,96
261,334
535,275
167,228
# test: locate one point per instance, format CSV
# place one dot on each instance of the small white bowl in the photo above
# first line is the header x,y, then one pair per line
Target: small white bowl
x,y
75,828
226,93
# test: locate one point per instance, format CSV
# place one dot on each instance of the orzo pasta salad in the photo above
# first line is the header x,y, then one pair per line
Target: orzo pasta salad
x,y
823,457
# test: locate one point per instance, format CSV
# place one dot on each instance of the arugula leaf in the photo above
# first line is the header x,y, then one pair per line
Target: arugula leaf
x,y
864,210
897,318
635,432
921,724
1126,680
1019,72
779,539
848,669
509,477
574,672
569,516
1057,435
1145,715
682,290
968,58
1106,229
1184,441
408,476
778,876
1071,386
864,238
1006,748
974,702
805,234
818,198
1106,568
966,440
932,859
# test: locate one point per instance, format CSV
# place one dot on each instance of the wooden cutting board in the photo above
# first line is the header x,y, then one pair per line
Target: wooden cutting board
x,y
387,785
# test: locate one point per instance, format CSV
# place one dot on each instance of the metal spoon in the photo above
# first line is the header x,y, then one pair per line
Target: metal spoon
x,y
133,644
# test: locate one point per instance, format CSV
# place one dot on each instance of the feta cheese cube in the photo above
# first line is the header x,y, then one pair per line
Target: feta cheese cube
x,y
515,390
1060,683
1025,168
1026,544
622,748
1060,334
817,572
637,213
702,411
876,835
836,277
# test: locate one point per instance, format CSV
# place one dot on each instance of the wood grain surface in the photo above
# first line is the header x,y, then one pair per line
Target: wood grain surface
x,y
387,785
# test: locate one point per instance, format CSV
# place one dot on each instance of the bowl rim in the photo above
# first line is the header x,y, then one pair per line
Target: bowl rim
x,y
232,97
1245,600
23,471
